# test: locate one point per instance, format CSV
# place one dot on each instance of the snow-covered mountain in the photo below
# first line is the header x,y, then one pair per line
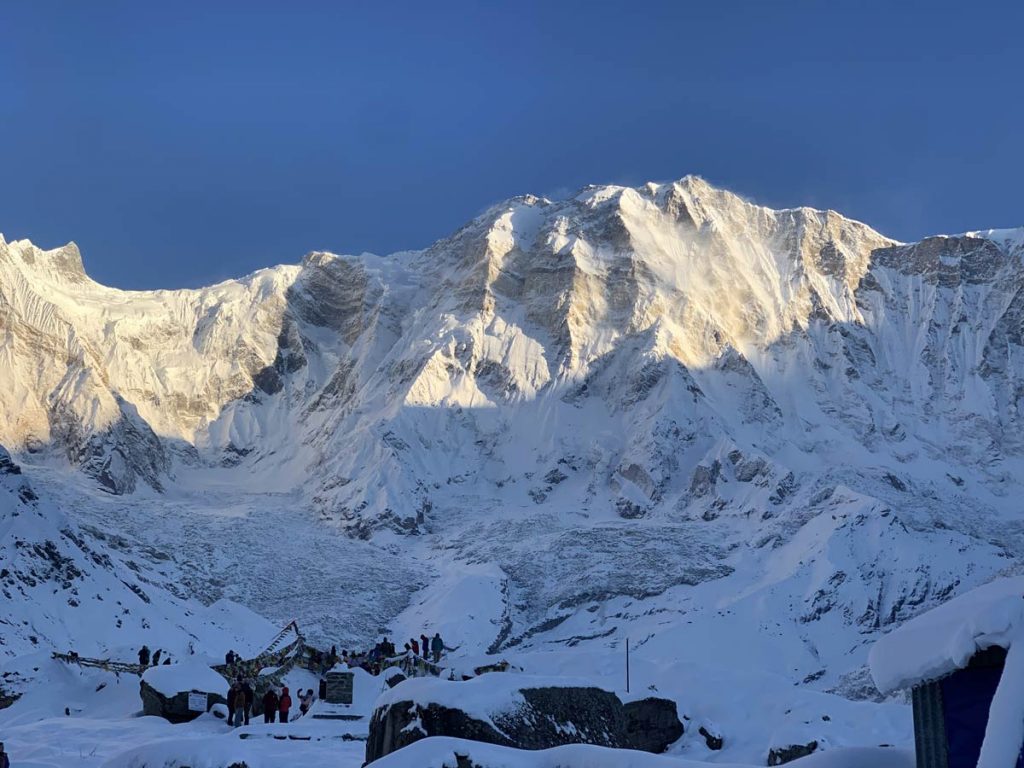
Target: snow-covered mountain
x,y
68,588
663,404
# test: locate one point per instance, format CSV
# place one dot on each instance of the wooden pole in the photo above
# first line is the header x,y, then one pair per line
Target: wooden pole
x,y
627,665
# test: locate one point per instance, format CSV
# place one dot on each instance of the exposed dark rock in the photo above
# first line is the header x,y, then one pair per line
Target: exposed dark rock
x,y
652,724
628,509
713,740
704,479
782,755
7,698
394,679
268,380
784,489
7,465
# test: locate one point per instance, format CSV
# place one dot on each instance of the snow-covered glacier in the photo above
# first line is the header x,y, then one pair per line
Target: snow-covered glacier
x,y
751,440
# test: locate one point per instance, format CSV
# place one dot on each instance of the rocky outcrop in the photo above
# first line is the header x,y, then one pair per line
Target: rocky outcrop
x,y
172,708
783,755
652,724
539,718
712,738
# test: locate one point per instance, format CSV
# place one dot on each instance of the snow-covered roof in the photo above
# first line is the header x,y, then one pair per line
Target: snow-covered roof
x,y
944,639
188,675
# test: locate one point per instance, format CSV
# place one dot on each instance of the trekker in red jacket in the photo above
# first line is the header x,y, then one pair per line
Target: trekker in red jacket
x,y
284,704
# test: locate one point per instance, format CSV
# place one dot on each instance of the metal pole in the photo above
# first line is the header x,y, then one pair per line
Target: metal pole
x,y
627,665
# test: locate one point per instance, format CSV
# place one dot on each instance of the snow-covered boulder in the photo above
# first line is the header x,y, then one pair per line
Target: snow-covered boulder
x,y
518,711
787,754
165,689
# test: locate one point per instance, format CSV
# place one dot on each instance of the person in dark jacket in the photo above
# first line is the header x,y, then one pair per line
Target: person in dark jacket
x,y
270,702
5,761
414,644
144,656
229,658
248,698
425,645
232,702
437,646
156,656
284,704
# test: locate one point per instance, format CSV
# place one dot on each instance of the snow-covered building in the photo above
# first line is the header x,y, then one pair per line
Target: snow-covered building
x,y
964,662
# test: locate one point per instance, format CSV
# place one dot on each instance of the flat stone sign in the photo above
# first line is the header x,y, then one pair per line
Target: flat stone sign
x,y
197,702
339,687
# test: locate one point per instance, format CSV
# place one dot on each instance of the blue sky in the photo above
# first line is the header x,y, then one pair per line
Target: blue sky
x,y
182,143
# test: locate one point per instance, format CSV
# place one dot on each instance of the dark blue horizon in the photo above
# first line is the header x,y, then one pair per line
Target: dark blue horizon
x,y
180,145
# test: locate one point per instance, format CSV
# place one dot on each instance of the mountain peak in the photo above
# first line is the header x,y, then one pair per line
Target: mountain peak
x,y
1009,239
63,264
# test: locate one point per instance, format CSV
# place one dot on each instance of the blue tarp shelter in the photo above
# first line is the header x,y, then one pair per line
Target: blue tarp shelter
x,y
950,714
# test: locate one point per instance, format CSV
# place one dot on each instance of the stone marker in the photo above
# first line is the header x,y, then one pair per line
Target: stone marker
x,y
339,687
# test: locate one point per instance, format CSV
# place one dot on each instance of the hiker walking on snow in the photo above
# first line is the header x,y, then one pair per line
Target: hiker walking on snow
x,y
284,704
144,656
229,658
156,656
414,644
425,645
270,702
5,762
437,646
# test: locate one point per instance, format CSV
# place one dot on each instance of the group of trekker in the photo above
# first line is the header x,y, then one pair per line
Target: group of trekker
x,y
277,703
373,660
145,660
